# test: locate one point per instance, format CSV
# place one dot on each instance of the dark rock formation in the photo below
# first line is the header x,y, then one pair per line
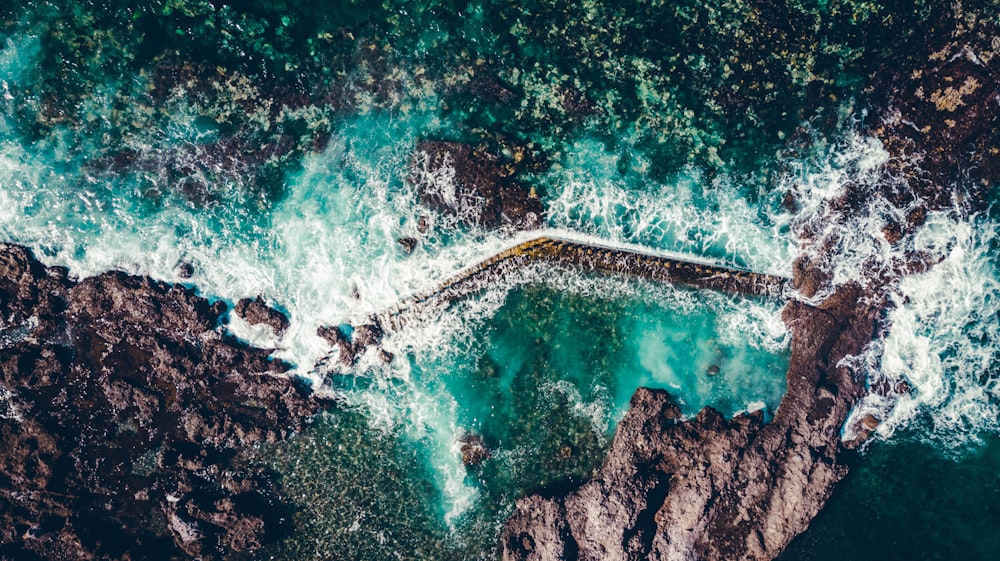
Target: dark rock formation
x,y
576,104
353,343
708,488
185,269
943,110
257,312
408,244
487,87
474,450
474,185
195,172
125,413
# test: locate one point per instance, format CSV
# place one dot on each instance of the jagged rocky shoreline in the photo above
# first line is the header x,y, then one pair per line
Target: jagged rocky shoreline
x,y
711,488
707,487
125,410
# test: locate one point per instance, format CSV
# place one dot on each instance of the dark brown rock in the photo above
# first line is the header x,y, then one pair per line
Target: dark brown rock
x,y
185,270
711,488
129,413
474,185
332,334
869,422
337,338
474,450
408,244
353,345
941,110
257,312
576,104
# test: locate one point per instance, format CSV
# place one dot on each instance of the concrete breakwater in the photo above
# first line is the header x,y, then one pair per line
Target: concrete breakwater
x,y
584,256
589,257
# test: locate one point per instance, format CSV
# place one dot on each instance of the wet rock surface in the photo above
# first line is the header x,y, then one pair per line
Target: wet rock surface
x,y
353,342
711,488
474,450
107,382
474,185
942,109
257,312
125,414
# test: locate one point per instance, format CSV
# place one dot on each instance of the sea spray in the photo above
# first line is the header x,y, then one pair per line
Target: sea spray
x,y
850,243
641,322
608,195
935,368
436,390
943,345
323,244
566,351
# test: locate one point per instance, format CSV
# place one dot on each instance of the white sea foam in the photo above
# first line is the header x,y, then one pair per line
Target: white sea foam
x,y
328,252
688,215
8,407
426,411
944,329
850,243
944,340
593,408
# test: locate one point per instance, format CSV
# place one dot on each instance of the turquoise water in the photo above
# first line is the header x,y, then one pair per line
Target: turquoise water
x,y
270,145
542,382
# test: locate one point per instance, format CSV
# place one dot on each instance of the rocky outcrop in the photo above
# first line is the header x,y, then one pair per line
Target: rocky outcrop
x,y
125,409
257,312
474,185
943,109
711,488
354,341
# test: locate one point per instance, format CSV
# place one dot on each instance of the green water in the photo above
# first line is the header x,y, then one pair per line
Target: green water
x,y
542,383
268,144
906,500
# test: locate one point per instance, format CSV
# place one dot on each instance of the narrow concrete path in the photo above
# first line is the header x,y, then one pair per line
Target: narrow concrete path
x,y
581,255
587,257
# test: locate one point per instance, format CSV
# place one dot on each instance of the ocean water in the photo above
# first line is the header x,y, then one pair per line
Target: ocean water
x,y
270,147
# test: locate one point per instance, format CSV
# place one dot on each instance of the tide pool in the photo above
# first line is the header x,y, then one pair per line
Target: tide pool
x,y
541,384
267,151
540,367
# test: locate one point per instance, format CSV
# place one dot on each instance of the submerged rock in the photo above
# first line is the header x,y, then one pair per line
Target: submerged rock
x,y
474,450
130,410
